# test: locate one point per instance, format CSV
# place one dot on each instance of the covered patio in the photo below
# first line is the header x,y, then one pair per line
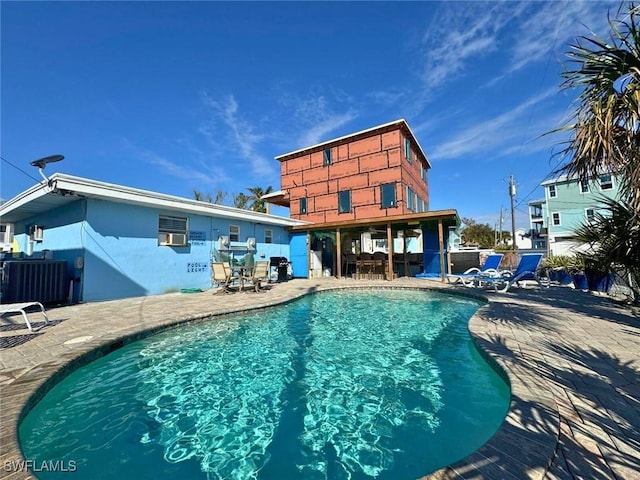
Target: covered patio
x,y
380,248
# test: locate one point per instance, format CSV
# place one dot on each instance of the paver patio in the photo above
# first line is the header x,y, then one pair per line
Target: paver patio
x,y
572,360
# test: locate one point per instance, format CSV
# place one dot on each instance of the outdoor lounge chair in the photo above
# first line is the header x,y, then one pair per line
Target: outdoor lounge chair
x,y
221,276
260,273
489,268
527,269
22,309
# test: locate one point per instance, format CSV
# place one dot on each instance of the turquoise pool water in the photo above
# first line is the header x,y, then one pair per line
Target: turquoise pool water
x,y
341,385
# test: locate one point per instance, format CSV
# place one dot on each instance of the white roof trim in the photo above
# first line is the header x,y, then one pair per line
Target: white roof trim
x,y
77,186
400,121
279,193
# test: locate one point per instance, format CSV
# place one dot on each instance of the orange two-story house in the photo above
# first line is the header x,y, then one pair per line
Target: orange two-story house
x,y
374,173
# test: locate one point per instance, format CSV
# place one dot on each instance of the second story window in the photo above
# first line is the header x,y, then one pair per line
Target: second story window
x,y
303,205
326,158
388,195
268,236
590,214
423,173
555,218
606,182
411,200
234,233
344,201
584,186
552,191
407,149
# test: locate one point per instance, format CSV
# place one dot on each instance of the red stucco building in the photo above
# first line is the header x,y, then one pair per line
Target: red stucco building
x,y
374,173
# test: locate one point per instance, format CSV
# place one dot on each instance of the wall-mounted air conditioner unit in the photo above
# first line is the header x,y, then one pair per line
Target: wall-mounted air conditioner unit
x,y
36,233
251,243
172,239
223,243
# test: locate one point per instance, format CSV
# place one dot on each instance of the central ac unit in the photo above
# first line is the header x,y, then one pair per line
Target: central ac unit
x,y
173,239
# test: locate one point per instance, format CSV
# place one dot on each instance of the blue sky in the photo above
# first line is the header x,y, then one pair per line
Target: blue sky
x,y
173,97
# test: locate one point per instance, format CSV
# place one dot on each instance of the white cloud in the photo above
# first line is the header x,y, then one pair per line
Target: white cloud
x,y
550,25
499,135
199,175
315,116
241,133
320,131
460,34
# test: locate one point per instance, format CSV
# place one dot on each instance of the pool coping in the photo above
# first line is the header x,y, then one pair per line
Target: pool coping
x,y
524,446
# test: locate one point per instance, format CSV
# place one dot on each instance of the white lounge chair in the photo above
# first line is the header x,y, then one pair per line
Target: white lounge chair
x,y
489,268
22,309
527,270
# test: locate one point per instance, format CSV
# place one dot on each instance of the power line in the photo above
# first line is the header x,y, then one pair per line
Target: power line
x,y
19,169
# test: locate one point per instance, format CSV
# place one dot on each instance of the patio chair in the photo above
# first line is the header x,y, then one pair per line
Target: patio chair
x,y
222,277
527,269
489,268
259,274
21,308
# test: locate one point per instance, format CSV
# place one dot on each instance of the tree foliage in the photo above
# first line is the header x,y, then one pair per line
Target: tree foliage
x,y
476,233
613,240
604,133
257,204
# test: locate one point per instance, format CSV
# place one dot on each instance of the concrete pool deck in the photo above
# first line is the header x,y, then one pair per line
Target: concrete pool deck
x,y
572,360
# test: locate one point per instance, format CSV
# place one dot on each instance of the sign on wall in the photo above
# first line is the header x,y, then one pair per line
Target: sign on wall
x,y
196,267
197,238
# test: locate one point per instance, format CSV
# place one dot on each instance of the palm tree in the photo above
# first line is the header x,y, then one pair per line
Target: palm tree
x,y
201,197
612,240
240,200
257,204
605,129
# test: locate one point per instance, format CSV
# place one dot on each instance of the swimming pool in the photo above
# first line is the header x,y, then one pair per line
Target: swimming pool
x,y
346,384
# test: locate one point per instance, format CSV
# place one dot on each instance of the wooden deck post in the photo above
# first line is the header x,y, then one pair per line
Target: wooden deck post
x,y
308,254
389,253
441,245
338,254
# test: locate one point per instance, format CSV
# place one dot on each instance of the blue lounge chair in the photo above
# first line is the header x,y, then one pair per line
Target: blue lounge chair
x,y
526,270
489,268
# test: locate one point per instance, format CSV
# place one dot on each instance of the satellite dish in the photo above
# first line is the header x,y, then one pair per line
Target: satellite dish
x,y
40,163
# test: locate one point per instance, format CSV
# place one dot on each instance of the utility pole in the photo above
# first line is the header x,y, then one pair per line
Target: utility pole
x,y
501,219
512,194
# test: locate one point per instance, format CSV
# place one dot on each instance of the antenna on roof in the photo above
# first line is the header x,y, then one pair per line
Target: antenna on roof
x,y
42,162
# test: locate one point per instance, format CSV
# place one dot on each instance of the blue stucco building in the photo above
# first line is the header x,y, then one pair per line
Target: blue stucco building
x,y
123,242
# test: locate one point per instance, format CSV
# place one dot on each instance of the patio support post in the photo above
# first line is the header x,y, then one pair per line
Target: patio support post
x,y
389,253
309,253
338,254
441,245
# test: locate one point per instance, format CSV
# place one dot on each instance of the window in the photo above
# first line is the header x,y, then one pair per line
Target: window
x,y
590,214
423,174
326,159
6,234
584,186
411,200
420,207
268,236
606,182
555,218
172,230
552,191
388,195
344,201
303,205
407,149
234,233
